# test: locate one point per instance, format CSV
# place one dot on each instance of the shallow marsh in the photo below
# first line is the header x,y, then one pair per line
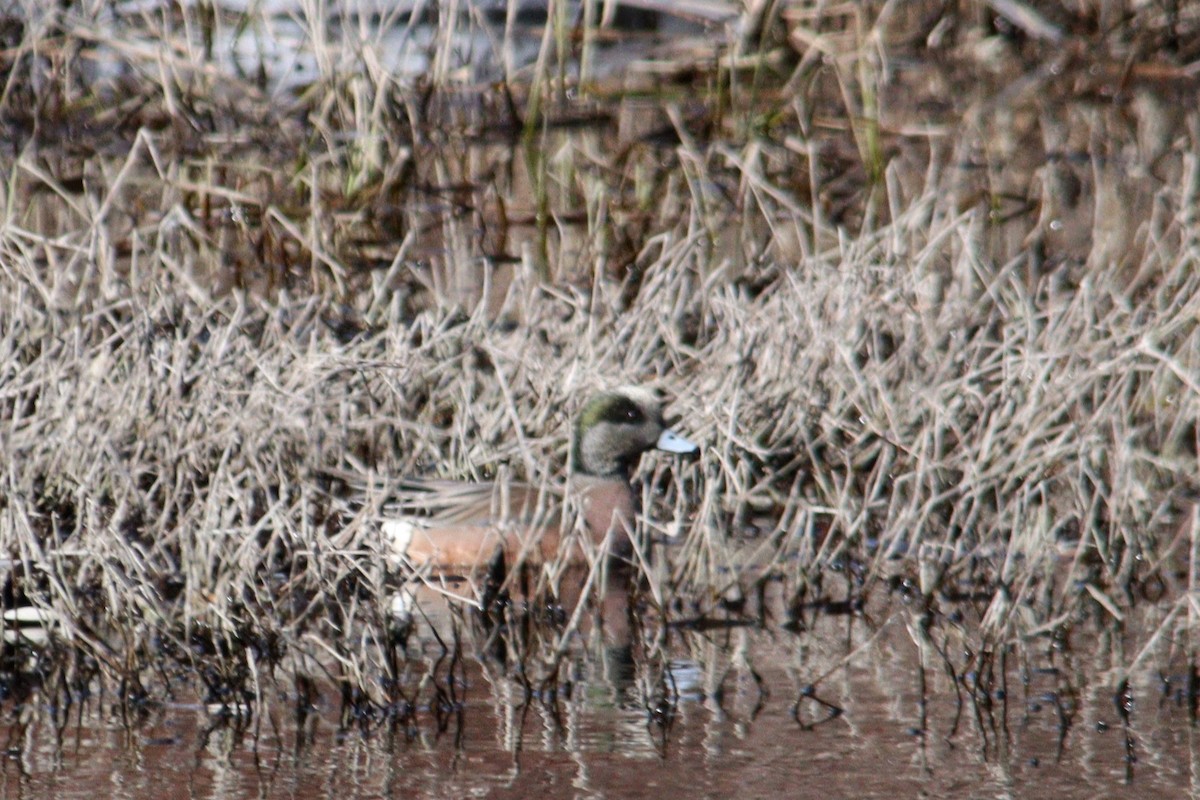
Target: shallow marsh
x,y
920,277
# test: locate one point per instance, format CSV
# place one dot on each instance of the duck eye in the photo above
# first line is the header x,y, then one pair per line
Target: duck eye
x,y
625,413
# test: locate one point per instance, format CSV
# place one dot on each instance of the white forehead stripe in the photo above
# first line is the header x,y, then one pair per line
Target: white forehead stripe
x,y
642,396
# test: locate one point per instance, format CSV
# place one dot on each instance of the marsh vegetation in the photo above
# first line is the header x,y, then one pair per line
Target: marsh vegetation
x,y
921,278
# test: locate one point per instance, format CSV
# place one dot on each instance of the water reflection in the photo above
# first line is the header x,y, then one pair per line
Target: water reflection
x,y
737,709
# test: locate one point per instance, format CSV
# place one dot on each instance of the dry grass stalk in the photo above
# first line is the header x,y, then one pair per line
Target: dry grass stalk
x,y
200,326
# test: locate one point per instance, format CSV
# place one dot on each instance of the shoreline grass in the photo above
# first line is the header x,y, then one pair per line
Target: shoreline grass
x,y
944,359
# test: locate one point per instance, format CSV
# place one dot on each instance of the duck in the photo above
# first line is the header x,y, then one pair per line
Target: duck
x,y
461,526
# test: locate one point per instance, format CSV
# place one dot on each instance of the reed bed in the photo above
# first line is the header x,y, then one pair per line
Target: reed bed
x,y
925,364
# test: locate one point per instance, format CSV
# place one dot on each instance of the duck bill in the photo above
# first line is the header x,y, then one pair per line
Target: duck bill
x,y
672,442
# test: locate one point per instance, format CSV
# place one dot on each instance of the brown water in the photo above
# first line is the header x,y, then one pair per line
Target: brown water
x,y
735,710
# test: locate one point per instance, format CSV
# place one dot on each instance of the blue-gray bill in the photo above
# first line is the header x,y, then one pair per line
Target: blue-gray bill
x,y
671,442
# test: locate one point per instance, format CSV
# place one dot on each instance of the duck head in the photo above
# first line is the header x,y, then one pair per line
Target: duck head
x,y
615,427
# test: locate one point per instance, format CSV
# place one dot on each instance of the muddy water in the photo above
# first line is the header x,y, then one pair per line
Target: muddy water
x,y
831,708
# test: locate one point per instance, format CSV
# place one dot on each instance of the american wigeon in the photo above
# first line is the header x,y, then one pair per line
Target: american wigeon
x,y
462,524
